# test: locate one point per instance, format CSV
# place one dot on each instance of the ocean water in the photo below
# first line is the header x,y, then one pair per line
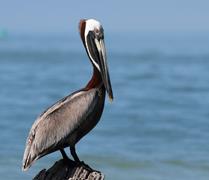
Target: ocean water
x,y
157,127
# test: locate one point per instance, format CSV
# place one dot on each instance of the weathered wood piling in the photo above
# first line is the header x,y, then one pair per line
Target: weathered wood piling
x,y
69,170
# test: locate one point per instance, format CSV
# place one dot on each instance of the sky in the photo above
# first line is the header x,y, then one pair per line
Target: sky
x,y
115,15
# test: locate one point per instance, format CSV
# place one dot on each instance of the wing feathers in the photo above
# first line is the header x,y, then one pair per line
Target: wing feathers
x,y
57,123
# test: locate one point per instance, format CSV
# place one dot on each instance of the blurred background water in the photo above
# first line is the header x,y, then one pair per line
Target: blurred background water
x,y
157,127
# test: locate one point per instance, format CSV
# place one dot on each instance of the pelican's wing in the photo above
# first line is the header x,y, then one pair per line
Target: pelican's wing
x,y
56,123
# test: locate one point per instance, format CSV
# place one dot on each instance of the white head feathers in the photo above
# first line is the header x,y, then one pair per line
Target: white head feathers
x,y
92,24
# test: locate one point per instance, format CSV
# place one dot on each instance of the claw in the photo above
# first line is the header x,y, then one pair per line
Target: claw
x,y
87,167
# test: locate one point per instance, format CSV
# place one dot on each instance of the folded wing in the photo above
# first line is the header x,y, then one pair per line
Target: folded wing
x,y
56,123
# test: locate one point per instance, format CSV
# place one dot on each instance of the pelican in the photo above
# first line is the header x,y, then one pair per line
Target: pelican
x,y
68,120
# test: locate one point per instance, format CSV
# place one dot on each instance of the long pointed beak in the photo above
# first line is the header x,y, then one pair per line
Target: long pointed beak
x,y
103,66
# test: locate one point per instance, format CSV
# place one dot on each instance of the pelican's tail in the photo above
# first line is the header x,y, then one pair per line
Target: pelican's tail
x,y
29,156
27,163
28,160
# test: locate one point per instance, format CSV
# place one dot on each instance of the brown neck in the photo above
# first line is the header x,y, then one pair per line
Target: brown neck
x,y
95,81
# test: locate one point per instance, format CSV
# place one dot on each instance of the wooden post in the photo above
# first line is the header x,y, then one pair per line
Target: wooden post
x,y
69,170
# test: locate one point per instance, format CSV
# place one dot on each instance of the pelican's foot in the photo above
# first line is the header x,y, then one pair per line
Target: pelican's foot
x,y
68,161
82,163
86,166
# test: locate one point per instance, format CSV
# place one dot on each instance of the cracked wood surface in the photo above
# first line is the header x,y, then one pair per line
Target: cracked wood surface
x,y
69,170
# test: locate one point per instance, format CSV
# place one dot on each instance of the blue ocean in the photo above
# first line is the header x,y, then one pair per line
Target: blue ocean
x,y
157,127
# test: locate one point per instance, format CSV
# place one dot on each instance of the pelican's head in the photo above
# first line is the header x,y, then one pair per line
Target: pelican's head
x,y
92,35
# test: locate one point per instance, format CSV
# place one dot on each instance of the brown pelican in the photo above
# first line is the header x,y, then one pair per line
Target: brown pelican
x,y
68,120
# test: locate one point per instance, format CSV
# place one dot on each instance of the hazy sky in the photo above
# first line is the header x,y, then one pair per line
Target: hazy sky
x,y
115,15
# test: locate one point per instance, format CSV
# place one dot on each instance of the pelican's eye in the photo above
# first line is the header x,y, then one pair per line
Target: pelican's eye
x,y
99,33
